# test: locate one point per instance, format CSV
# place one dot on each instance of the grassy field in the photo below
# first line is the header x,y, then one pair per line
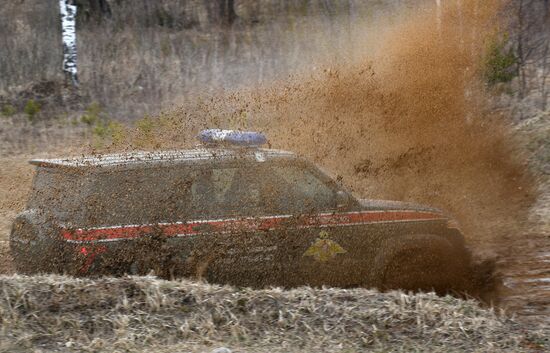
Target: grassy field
x,y
147,55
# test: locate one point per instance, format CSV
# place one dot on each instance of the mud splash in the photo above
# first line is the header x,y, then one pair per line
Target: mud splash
x,y
410,120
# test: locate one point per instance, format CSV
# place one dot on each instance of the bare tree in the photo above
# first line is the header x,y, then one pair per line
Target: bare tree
x,y
222,11
531,36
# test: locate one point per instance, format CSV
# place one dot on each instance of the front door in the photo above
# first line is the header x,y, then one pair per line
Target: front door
x,y
270,223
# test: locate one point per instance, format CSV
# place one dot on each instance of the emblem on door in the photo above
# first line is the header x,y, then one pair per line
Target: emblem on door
x,y
324,249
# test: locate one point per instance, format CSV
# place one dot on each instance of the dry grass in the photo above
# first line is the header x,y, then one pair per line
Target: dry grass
x,y
137,313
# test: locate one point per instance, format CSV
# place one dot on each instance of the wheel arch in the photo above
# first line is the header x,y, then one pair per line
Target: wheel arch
x,y
394,248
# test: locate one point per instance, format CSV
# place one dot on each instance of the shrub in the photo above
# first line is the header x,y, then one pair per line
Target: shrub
x,y
117,132
8,110
145,128
108,131
31,109
100,130
93,114
104,130
500,63
145,125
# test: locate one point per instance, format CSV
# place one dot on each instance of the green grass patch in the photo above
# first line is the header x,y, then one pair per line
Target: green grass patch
x,y
32,108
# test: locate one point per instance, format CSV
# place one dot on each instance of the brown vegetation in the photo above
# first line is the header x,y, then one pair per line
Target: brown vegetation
x,y
65,315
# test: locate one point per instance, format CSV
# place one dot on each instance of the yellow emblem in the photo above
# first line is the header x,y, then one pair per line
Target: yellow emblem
x,y
324,249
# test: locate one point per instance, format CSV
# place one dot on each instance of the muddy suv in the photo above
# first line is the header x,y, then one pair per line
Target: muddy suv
x,y
230,212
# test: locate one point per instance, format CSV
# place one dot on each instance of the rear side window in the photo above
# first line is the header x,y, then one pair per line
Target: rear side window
x,y
140,196
58,192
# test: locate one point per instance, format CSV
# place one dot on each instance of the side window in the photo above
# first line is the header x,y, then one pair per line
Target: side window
x,y
259,190
302,191
231,191
142,196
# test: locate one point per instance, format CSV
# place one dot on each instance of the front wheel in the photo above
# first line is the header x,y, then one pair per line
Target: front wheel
x,y
425,263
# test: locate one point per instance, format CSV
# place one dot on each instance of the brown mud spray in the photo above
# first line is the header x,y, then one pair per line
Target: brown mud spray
x,y
411,121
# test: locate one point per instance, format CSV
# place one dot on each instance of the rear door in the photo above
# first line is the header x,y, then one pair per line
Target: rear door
x,y
234,245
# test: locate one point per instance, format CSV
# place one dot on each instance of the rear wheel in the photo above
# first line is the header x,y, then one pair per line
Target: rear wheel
x,y
425,263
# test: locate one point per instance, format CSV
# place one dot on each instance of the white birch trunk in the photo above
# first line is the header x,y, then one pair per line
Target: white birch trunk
x,y
438,15
68,31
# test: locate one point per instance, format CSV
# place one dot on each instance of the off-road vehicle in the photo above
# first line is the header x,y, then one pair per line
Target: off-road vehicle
x,y
231,212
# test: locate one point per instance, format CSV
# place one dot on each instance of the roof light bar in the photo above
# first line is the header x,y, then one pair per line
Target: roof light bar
x,y
232,137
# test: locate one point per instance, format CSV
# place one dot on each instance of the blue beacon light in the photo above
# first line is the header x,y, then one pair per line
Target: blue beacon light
x,y
232,137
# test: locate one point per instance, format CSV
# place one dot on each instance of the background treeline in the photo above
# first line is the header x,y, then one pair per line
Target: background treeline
x,y
136,55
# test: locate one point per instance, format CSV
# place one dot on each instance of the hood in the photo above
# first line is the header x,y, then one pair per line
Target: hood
x,y
368,204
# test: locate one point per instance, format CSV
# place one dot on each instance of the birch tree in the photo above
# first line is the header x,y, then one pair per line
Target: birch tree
x,y
438,14
67,10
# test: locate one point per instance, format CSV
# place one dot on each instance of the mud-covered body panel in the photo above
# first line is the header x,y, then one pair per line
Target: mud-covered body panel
x,y
368,204
255,251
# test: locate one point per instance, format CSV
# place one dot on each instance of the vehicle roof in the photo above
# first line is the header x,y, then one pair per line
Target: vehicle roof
x,y
162,157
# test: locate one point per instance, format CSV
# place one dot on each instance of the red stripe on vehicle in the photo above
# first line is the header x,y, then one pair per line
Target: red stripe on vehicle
x,y
246,224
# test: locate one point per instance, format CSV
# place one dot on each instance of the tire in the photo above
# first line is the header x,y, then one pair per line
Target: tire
x,y
425,263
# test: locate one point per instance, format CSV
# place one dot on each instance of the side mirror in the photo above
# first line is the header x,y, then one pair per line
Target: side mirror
x,y
342,200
